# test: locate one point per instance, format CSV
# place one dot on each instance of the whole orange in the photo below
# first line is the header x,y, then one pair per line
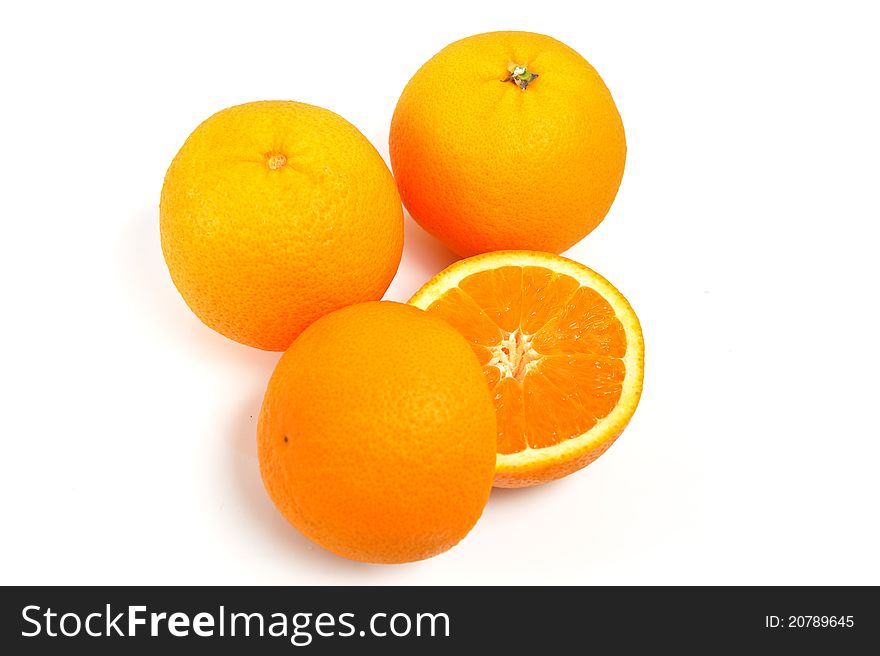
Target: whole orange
x,y
273,214
507,140
376,438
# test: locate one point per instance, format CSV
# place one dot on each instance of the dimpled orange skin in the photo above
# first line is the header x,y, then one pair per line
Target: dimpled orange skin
x,y
484,165
376,438
274,213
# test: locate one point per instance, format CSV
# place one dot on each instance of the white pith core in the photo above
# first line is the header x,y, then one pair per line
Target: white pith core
x,y
514,355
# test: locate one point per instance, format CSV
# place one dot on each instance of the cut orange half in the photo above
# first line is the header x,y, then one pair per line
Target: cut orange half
x,y
561,349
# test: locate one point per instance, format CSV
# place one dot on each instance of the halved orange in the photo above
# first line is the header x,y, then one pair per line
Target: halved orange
x,y
561,349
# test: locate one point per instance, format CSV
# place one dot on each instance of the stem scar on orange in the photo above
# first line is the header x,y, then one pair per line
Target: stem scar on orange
x,y
507,140
561,350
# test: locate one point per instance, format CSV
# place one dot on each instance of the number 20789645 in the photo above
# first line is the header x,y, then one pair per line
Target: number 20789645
x,y
809,621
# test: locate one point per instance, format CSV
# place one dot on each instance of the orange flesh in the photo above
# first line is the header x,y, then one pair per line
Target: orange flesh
x,y
551,351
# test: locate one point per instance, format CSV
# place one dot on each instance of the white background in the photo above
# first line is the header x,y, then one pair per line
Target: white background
x,y
745,234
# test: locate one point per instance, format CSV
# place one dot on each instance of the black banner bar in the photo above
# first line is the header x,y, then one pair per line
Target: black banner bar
x,y
435,620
